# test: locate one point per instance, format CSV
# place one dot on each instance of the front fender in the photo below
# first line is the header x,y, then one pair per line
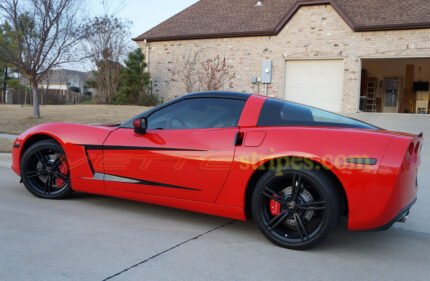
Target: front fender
x,y
71,137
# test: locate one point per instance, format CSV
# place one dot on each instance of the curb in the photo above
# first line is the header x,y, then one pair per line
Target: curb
x,y
8,136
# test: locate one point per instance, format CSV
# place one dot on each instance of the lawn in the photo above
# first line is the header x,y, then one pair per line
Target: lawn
x,y
14,119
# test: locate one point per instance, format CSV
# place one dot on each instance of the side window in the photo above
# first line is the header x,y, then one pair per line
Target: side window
x,y
280,113
283,113
197,113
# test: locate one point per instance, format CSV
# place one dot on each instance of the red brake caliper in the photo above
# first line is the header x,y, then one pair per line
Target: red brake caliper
x,y
63,169
275,208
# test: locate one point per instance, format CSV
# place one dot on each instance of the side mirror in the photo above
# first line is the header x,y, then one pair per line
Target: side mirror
x,y
140,125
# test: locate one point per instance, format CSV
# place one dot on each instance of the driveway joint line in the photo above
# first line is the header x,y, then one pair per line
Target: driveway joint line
x,y
167,250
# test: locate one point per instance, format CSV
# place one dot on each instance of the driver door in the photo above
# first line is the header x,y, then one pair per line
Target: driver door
x,y
186,152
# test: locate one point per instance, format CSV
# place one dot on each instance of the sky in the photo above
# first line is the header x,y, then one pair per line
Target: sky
x,y
144,14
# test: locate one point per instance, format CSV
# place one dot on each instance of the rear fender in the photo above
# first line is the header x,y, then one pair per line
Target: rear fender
x,y
330,147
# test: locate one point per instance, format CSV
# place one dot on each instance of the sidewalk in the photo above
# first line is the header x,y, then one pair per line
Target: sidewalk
x,y
8,136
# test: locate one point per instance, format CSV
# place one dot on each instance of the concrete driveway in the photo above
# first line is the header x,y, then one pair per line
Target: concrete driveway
x,y
95,238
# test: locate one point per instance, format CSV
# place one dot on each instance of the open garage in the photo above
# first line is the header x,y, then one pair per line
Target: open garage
x,y
397,85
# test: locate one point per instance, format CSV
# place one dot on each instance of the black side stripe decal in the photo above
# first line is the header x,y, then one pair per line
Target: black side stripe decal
x,y
89,161
109,177
118,147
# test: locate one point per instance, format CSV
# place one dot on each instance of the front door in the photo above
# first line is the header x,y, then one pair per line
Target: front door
x,y
186,152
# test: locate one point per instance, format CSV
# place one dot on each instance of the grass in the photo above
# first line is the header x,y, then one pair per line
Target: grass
x,y
14,119
6,145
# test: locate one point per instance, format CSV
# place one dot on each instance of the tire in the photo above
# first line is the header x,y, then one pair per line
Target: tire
x,y
44,170
296,216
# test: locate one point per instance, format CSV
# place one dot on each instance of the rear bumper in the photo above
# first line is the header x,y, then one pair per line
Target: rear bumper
x,y
402,214
392,191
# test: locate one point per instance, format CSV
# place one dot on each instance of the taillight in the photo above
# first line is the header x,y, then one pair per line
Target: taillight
x,y
410,157
411,149
417,148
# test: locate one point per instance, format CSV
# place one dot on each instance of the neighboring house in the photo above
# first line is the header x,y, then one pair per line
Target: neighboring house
x,y
59,86
341,55
64,80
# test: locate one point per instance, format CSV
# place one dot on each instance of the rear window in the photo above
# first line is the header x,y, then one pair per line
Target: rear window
x,y
283,113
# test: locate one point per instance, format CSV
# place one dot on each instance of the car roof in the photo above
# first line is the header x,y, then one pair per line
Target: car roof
x,y
207,94
218,94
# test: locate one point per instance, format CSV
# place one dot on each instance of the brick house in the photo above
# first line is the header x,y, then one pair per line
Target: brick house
x,y
341,55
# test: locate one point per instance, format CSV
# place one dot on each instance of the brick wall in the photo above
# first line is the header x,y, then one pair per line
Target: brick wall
x,y
315,32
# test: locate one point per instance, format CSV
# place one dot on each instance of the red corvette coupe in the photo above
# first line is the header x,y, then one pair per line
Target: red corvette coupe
x,y
294,169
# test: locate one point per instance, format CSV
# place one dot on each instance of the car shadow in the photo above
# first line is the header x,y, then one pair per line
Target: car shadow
x,y
367,243
140,208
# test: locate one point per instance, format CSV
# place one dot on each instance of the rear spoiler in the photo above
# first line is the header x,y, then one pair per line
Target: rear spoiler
x,y
421,135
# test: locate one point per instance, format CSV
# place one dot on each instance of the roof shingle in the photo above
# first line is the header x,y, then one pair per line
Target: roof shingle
x,y
226,18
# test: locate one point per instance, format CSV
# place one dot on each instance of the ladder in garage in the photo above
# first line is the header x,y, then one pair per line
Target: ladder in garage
x,y
371,88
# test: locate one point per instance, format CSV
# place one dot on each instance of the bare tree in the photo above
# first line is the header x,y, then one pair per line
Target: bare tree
x,y
214,74
44,33
107,44
187,73
199,73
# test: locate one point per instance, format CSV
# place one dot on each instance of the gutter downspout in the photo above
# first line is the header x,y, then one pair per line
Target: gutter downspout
x,y
147,54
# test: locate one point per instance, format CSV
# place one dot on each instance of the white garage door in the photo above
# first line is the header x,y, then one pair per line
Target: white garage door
x,y
317,83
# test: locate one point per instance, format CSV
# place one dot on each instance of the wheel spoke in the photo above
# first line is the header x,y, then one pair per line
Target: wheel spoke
x,y
268,192
275,221
48,185
301,228
297,185
61,176
41,158
56,163
312,206
34,174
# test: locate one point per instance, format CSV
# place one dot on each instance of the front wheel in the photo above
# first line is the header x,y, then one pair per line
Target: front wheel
x,y
296,208
45,171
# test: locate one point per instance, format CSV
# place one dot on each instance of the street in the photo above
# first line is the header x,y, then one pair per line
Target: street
x,y
95,238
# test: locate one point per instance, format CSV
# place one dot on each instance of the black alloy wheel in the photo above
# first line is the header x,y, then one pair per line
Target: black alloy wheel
x,y
296,208
45,171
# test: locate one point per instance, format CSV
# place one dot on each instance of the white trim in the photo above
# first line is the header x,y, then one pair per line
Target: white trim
x,y
314,58
393,57
284,73
119,179
360,78
105,177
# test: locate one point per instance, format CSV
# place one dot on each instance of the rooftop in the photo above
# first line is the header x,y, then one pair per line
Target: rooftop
x,y
226,18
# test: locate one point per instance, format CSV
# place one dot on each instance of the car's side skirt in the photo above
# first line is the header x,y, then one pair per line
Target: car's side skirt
x,y
194,206
114,178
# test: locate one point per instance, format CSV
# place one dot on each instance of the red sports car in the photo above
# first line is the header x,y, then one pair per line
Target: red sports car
x,y
294,169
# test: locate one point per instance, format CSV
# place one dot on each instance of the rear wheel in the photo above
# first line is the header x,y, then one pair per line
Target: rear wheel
x,y
45,171
296,208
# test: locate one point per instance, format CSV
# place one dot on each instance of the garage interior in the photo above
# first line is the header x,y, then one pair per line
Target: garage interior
x,y
395,85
